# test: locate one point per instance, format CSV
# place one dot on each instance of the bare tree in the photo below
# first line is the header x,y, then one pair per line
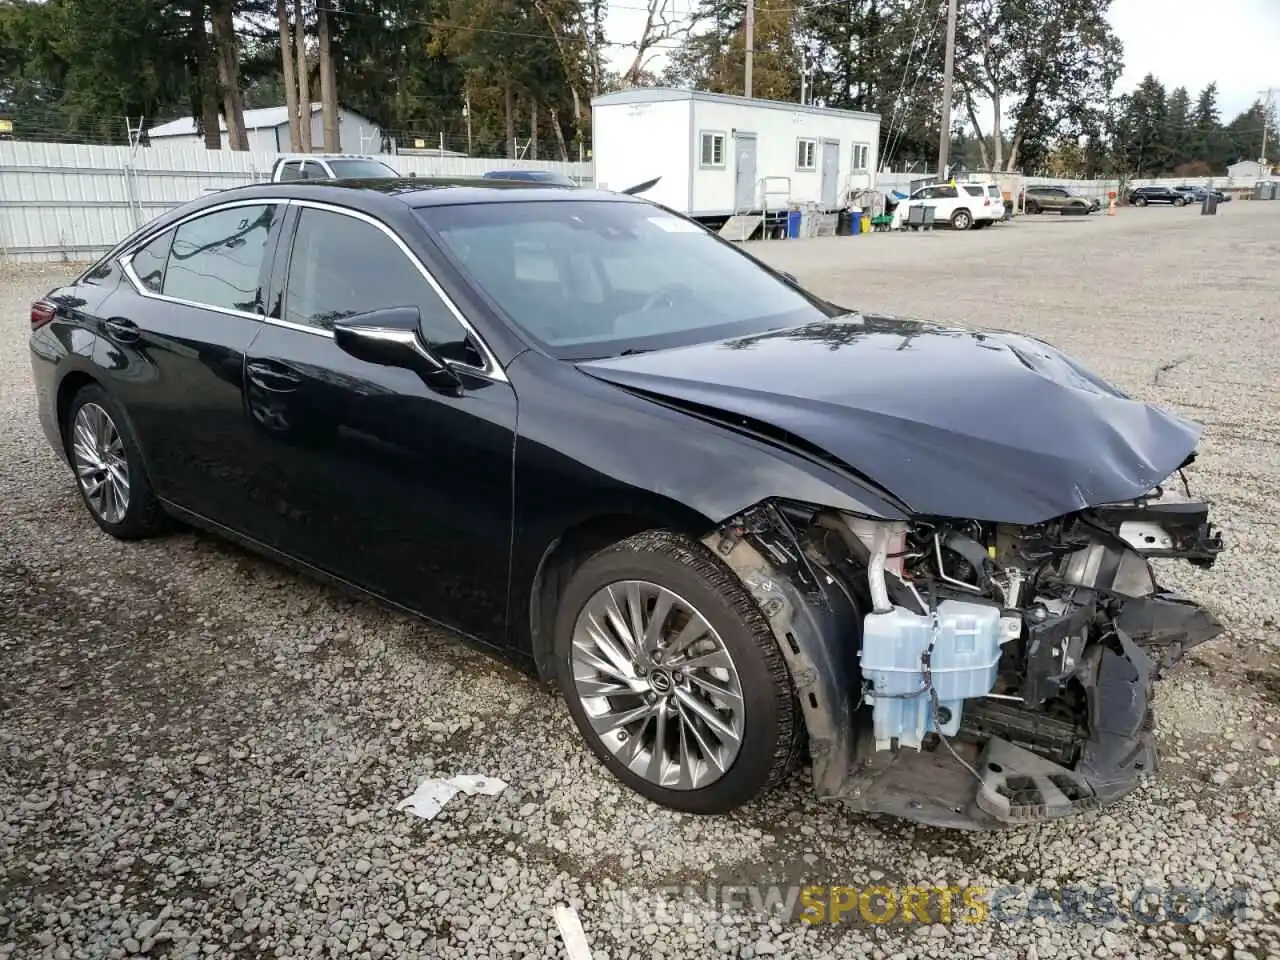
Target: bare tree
x,y
304,79
328,82
662,23
207,67
224,39
290,79
564,48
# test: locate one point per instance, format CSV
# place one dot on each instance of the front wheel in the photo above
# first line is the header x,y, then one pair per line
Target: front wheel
x,y
673,675
1032,207
961,220
1180,202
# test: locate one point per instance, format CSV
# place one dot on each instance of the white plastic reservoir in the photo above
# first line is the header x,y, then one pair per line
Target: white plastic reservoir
x,y
963,665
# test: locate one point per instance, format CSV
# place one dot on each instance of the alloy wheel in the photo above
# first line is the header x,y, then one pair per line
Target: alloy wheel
x,y
658,685
97,453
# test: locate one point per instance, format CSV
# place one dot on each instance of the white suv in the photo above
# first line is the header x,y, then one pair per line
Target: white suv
x,y
963,205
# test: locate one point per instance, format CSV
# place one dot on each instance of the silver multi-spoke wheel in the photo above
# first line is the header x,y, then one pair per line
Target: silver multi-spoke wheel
x,y
658,685
98,455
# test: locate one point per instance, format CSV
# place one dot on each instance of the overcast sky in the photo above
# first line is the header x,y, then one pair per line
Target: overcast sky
x,y
1183,42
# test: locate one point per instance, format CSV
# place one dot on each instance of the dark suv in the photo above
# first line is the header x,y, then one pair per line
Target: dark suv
x,y
1196,194
1141,196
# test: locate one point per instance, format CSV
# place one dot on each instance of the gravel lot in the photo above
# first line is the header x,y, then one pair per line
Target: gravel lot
x,y
200,752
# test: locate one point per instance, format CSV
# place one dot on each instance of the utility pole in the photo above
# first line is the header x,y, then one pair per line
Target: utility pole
x,y
1268,100
804,75
751,44
948,69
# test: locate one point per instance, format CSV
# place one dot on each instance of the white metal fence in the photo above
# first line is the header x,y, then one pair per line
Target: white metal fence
x,y
68,202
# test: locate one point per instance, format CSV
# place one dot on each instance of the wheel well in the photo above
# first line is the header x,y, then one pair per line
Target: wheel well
x,y
565,555
71,384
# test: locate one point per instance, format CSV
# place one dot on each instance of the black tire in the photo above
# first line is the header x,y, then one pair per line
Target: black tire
x,y
1032,208
961,220
772,737
143,517
1141,201
1180,202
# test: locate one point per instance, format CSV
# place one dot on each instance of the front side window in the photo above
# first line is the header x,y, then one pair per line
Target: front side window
x,y
149,262
713,150
217,259
806,154
594,278
342,266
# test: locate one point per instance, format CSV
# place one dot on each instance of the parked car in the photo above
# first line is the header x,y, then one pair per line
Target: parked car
x,y
727,518
1054,199
961,205
330,166
1141,196
532,176
1197,193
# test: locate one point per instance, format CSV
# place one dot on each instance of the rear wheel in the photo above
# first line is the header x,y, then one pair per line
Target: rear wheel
x,y
1141,201
109,471
673,676
961,220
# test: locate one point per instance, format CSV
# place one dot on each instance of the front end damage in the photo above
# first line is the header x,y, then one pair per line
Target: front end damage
x,y
976,675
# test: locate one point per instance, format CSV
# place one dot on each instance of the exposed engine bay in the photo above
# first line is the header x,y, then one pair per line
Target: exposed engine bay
x,y
1000,674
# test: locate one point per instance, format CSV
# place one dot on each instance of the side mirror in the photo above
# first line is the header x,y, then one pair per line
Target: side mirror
x,y
390,338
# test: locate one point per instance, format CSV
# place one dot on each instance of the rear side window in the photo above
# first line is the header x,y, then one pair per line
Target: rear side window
x,y
149,262
973,191
216,260
291,171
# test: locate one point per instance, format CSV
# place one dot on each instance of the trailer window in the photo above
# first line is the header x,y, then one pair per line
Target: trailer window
x,y
713,150
806,154
861,156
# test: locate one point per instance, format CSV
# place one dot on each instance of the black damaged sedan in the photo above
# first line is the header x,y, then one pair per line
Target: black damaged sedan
x,y
739,527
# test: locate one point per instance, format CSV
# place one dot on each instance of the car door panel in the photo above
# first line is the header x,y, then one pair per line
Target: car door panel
x,y
364,471
175,359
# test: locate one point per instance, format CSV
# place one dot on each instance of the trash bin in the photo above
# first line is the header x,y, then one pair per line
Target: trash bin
x,y
844,223
866,222
855,223
1209,205
793,224
1264,190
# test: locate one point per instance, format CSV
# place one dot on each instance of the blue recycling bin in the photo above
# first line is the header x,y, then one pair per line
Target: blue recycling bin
x,y
857,222
793,224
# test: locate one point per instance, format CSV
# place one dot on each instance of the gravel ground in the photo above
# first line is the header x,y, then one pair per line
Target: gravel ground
x,y
200,752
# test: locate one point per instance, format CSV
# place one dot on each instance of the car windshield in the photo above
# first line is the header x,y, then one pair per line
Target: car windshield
x,y
590,279
360,169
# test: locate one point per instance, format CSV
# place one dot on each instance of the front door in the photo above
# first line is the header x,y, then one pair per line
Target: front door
x,y
365,471
830,174
744,194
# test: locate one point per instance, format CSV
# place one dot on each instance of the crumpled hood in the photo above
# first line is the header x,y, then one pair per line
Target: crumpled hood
x,y
973,424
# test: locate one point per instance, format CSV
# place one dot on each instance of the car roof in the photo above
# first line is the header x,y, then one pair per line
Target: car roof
x,y
419,191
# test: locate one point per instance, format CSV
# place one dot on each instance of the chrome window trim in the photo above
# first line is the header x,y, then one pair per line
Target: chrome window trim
x,y
492,369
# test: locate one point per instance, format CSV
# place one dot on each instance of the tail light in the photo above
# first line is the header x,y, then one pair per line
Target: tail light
x,y
986,202
42,312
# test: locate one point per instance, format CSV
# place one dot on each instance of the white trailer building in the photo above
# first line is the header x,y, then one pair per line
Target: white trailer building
x,y
721,155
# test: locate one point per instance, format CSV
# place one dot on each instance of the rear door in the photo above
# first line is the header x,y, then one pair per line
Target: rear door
x,y
176,350
362,470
